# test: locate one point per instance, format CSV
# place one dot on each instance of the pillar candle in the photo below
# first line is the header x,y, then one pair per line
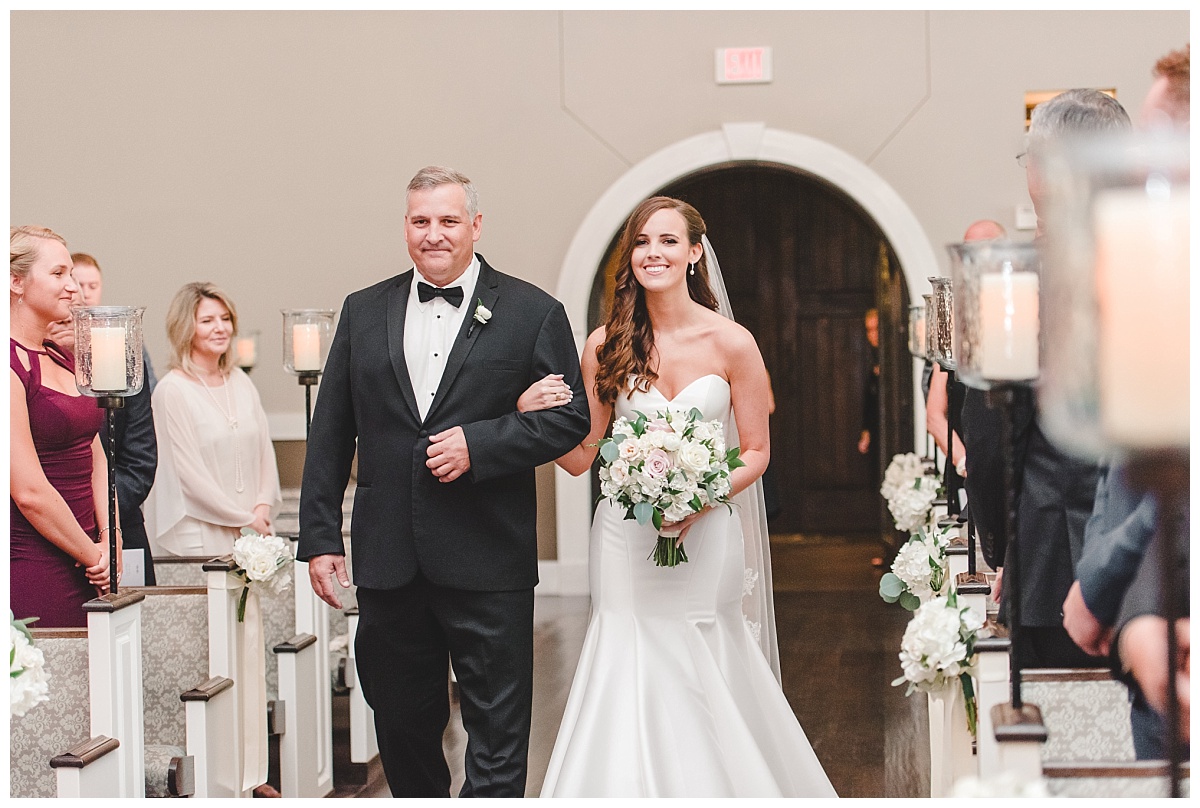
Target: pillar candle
x,y
108,358
1142,246
246,353
306,346
1008,326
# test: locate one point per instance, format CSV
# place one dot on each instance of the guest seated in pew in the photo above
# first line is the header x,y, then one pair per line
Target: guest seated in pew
x,y
1054,491
57,471
216,470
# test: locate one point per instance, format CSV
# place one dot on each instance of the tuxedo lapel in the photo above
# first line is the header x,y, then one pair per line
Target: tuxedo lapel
x,y
485,291
397,312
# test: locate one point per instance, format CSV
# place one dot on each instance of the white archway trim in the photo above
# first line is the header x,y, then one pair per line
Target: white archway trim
x,y
734,142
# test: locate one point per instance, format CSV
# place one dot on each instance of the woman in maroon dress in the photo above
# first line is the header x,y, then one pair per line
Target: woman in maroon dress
x,y
57,468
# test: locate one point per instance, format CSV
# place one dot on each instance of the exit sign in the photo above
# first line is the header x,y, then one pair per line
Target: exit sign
x,y
743,65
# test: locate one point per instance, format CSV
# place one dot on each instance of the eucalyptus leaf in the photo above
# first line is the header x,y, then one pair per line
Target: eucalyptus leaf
x,y
642,512
910,601
609,451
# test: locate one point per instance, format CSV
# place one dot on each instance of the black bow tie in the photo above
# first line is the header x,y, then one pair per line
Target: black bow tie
x,y
451,294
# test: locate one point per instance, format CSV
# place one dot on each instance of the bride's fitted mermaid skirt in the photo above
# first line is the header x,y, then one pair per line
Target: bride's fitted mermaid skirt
x,y
672,696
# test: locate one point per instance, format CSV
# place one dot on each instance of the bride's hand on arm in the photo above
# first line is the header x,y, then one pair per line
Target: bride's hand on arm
x,y
750,390
545,393
685,524
579,460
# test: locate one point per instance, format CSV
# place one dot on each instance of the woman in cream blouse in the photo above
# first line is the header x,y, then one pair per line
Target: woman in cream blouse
x,y
216,465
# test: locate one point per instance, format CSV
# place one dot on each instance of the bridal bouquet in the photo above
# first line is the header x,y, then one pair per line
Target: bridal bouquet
x,y
939,647
664,467
263,563
920,570
28,680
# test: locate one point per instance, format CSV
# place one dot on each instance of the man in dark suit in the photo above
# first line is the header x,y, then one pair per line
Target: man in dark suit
x,y
423,376
1054,491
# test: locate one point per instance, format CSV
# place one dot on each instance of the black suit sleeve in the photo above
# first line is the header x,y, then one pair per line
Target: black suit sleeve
x,y
519,441
332,438
1115,540
136,450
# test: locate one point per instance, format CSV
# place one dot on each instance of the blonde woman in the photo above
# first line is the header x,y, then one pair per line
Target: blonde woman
x,y
216,466
57,468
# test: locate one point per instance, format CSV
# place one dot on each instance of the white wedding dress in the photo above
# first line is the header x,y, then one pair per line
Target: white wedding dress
x,y
673,696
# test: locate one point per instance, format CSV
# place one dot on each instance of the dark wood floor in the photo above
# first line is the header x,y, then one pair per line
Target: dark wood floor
x,y
838,649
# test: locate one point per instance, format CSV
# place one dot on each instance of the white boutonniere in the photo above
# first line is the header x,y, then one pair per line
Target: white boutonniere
x,y
482,315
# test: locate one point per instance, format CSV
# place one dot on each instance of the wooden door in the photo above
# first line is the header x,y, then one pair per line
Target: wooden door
x,y
801,262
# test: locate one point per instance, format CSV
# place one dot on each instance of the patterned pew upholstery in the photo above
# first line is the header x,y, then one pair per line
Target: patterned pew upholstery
x,y
1130,780
1086,713
174,660
51,727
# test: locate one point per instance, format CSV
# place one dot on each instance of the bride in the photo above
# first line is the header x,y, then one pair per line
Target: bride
x,y
677,690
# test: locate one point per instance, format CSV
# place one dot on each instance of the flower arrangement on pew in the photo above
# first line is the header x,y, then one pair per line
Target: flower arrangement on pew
x,y
263,563
665,468
938,648
909,492
28,679
920,571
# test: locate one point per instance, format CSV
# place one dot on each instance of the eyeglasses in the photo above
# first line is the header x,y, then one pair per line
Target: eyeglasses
x,y
1022,159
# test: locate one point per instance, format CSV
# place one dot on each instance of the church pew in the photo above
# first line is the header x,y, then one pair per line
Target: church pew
x,y
187,710
54,732
1113,779
95,700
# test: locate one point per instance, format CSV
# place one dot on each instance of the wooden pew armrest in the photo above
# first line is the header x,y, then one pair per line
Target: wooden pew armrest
x,y
85,752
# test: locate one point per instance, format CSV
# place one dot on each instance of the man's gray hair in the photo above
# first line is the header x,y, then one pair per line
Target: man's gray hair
x,y
1076,112
433,176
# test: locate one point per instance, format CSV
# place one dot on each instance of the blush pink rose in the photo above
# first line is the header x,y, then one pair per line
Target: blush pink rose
x,y
657,464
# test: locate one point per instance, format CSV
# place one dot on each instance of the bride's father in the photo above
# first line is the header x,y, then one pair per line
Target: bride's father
x,y
423,378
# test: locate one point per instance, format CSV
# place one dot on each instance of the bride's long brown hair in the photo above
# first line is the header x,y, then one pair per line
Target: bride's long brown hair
x,y
628,334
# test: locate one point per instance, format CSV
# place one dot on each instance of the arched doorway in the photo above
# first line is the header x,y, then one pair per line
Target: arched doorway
x,y
733,143
802,263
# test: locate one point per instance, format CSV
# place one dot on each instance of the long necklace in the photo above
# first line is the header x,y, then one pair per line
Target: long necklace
x,y
230,415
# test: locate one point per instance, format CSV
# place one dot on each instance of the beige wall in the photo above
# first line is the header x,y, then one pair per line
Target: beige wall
x,y
268,151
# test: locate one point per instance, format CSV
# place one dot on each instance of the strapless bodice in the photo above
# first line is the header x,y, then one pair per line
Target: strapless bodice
x,y
709,394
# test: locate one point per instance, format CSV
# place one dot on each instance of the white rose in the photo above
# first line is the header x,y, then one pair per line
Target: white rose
x,y
260,556
618,472
702,431
670,441
628,449
694,457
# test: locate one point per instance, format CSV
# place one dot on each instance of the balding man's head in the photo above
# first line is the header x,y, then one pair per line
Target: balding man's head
x,y
985,230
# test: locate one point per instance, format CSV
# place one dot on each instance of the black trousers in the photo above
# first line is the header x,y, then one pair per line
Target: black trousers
x,y
405,637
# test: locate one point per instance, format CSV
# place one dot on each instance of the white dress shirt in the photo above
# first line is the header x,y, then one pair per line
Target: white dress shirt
x,y
429,332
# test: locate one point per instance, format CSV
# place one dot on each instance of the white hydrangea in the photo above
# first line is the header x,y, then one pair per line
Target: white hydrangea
x,y
28,683
912,505
933,652
1004,784
900,473
912,567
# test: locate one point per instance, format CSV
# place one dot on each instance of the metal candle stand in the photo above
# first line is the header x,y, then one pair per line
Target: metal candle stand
x,y
1164,474
308,378
111,404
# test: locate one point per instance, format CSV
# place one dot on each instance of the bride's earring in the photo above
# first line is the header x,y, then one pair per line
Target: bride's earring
x,y
691,269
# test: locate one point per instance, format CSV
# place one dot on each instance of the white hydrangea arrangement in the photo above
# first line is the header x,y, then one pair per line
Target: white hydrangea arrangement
x,y
939,647
920,570
28,683
665,467
1004,784
263,563
909,492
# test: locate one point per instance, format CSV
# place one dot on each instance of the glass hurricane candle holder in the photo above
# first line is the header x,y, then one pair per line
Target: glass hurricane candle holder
x,y
306,337
942,337
995,312
916,331
1115,369
930,328
108,350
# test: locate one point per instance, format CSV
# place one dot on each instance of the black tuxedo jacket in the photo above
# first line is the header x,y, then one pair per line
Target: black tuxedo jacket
x,y
479,532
